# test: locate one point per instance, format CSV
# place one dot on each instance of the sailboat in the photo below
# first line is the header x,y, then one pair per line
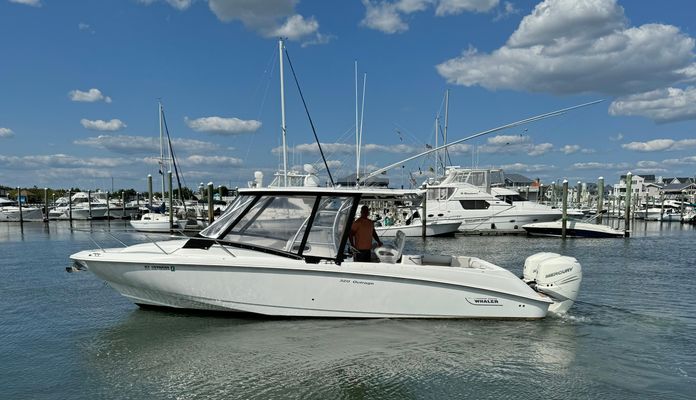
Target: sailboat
x,y
156,220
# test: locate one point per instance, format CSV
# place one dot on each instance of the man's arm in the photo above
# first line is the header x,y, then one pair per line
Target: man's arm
x,y
374,235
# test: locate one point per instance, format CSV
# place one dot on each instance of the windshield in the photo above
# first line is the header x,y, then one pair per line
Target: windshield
x,y
280,222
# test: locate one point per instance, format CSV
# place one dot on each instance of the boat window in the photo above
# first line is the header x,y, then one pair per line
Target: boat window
x,y
442,193
474,204
327,228
231,214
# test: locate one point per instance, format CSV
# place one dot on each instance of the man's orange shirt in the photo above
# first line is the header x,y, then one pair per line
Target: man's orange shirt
x,y
362,232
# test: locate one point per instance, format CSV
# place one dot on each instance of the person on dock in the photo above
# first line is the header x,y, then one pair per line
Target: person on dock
x,y
361,234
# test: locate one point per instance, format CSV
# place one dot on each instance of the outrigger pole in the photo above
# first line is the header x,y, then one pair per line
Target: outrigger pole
x,y
500,128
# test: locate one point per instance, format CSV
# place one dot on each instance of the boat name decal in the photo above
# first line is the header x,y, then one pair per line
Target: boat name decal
x,y
160,268
357,282
559,272
484,301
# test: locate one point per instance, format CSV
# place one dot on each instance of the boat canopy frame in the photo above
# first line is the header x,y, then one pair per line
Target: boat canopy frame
x,y
250,198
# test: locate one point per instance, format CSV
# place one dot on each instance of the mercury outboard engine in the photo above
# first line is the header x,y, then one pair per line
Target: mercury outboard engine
x,y
556,276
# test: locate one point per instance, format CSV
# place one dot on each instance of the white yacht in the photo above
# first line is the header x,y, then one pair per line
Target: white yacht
x,y
247,261
91,205
467,196
10,211
156,222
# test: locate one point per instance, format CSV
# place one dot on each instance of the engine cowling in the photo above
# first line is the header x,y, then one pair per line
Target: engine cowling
x,y
556,276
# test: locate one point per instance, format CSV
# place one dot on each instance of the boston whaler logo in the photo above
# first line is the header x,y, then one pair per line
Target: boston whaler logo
x,y
484,301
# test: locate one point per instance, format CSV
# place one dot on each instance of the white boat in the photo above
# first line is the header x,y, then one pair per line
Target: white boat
x,y
156,222
91,205
240,264
432,228
575,229
466,196
10,211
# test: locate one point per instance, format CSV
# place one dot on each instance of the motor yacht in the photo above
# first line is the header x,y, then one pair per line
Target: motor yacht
x,y
284,252
10,211
467,196
91,205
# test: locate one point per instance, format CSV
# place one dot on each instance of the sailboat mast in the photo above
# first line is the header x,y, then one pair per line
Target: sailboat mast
x,y
282,114
446,123
357,128
161,132
437,152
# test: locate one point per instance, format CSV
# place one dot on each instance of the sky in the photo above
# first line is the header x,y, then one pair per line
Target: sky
x,y
80,82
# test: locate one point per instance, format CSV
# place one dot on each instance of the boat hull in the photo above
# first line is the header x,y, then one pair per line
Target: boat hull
x,y
436,228
573,229
284,287
28,214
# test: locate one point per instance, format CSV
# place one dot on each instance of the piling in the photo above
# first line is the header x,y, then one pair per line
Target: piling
x,y
46,204
19,202
564,218
149,190
70,207
600,199
662,206
683,200
89,203
425,212
171,201
540,194
627,215
210,203
123,204
578,195
108,206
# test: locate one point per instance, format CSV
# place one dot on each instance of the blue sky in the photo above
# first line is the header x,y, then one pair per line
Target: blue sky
x,y
80,80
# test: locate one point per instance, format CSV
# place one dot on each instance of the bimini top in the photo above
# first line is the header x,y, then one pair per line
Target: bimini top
x,y
296,222
366,194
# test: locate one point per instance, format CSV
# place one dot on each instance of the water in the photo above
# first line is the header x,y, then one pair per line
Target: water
x,y
630,336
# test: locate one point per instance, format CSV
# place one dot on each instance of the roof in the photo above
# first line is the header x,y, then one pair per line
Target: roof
x,y
678,187
517,178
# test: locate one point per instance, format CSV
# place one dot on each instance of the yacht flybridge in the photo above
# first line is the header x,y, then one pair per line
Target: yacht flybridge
x,y
284,252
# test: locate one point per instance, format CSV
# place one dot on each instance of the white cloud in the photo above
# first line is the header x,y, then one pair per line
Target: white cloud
x,y
6,132
648,164
570,148
33,3
90,96
221,161
508,10
599,166
539,149
649,170
660,145
269,18
178,4
296,27
344,148
680,161
616,138
569,46
143,144
508,139
387,16
661,105
223,126
61,161
454,7
101,125
520,167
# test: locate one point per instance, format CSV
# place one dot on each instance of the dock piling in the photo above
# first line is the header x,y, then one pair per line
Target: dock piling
x,y
564,218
